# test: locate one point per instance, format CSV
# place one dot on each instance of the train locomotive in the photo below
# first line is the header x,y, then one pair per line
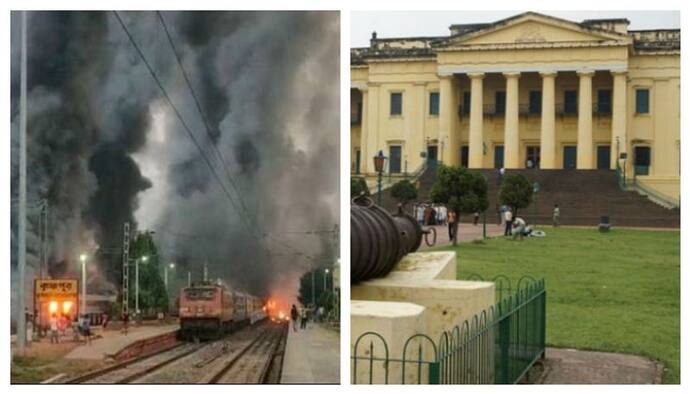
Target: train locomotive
x,y
209,310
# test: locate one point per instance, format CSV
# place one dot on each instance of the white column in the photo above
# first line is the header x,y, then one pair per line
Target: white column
x,y
619,141
476,143
511,139
445,121
584,122
364,135
548,120
372,115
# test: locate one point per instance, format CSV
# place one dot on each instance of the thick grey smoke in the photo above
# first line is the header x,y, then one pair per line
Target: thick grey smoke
x,y
105,148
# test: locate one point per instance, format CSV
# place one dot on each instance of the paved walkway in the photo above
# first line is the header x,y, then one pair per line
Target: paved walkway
x,y
467,232
312,356
112,341
569,366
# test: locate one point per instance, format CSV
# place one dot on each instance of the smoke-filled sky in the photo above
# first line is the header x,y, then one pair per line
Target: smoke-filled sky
x,y
104,147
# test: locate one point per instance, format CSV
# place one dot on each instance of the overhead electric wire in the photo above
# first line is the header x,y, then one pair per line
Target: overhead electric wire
x,y
244,219
179,116
204,117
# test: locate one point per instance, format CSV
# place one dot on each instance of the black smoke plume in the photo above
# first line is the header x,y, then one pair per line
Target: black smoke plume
x,y
104,147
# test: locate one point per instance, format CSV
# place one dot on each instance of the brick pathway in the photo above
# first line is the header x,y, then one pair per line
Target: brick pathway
x,y
467,232
569,366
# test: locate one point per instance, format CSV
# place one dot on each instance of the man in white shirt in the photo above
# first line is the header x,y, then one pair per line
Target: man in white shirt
x,y
508,216
519,228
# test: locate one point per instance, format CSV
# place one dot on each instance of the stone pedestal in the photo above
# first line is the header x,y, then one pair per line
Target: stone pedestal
x,y
420,296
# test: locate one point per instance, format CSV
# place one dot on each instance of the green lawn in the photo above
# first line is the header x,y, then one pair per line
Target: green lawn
x,y
617,291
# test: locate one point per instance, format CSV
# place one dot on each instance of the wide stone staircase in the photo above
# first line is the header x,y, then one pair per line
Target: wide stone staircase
x,y
582,195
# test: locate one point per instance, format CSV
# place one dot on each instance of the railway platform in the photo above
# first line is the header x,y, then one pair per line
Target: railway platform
x,y
112,343
312,356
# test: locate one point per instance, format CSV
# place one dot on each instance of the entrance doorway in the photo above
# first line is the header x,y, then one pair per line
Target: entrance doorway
x,y
569,157
464,156
533,156
498,156
431,155
603,157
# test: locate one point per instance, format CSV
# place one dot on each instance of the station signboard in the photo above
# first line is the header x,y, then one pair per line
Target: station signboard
x,y
56,297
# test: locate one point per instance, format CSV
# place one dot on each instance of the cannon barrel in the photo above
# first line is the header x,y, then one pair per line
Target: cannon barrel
x,y
378,240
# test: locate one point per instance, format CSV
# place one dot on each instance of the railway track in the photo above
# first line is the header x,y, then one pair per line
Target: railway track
x,y
129,370
211,362
254,362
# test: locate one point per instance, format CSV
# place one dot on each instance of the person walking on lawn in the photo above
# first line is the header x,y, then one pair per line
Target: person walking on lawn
x,y
508,216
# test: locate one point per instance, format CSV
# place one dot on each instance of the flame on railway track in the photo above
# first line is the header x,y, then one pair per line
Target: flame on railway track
x,y
275,310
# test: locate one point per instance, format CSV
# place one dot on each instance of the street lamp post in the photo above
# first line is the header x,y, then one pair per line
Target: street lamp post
x,y
165,276
82,258
313,288
379,161
136,282
535,190
325,278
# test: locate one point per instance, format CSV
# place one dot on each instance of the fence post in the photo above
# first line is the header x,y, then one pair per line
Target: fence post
x,y
543,324
504,348
434,373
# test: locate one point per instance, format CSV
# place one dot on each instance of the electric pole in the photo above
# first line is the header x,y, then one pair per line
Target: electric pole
x,y
125,270
21,255
44,240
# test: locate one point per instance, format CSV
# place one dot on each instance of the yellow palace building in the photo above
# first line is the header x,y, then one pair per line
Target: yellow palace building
x,y
528,91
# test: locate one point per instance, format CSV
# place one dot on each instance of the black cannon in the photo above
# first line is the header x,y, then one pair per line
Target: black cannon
x,y
378,240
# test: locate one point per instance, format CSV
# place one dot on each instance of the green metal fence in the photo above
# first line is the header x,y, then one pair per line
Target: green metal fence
x,y
498,345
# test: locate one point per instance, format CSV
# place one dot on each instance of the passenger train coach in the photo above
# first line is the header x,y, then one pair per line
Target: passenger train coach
x,y
209,310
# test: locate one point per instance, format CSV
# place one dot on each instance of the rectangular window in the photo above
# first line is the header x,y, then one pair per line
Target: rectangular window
x,y
604,101
642,101
535,102
466,102
433,103
396,103
500,102
570,102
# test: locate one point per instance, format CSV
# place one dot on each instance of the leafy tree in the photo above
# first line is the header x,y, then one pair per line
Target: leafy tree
x,y
461,190
516,192
153,296
404,191
358,186
322,295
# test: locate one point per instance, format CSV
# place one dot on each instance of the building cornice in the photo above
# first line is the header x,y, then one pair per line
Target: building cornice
x,y
532,45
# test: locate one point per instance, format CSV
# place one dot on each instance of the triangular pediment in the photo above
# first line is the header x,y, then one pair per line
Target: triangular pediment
x,y
533,28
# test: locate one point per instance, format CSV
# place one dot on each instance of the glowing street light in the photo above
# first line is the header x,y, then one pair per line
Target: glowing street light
x,y
325,279
165,277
